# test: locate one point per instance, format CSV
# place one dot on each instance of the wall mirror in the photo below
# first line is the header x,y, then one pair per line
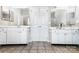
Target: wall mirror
x,y
67,16
14,16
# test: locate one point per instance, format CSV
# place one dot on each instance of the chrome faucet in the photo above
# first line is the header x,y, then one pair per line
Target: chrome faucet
x,y
60,25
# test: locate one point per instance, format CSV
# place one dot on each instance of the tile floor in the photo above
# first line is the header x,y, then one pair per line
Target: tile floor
x,y
39,47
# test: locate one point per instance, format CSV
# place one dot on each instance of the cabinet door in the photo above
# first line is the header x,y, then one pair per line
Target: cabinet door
x,y
68,36
76,40
12,36
22,35
75,37
61,37
2,36
54,37
58,37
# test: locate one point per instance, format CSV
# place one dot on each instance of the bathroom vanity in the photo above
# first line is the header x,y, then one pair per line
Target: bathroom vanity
x,y
14,25
65,35
14,35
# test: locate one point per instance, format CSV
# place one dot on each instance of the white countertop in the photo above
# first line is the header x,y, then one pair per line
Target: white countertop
x,y
63,28
53,28
14,26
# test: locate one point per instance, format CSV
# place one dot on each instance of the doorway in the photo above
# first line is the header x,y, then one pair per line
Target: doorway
x,y
39,21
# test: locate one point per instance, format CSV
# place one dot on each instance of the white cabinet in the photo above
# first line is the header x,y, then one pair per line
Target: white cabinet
x,y
16,36
61,36
58,37
68,36
75,36
2,36
76,39
24,35
54,37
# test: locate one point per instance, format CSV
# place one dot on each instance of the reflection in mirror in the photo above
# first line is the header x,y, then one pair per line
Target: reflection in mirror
x,y
6,16
25,17
71,19
57,17
67,16
11,16
53,19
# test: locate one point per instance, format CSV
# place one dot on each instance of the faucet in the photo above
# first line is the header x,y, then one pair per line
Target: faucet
x,y
60,25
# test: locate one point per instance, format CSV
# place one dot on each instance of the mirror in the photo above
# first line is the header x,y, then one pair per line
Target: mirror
x,y
25,16
11,16
63,15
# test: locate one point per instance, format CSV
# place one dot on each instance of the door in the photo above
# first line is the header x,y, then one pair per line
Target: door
x,y
44,34
34,22
23,36
44,23
2,36
39,17
34,33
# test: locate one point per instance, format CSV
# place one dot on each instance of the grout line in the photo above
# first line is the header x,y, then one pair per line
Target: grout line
x,y
30,48
22,49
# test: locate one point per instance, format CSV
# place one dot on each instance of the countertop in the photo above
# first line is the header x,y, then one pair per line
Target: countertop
x,y
63,28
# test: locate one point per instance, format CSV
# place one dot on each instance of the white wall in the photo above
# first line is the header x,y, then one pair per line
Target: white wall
x,y
0,13
77,15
